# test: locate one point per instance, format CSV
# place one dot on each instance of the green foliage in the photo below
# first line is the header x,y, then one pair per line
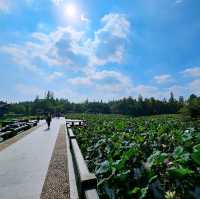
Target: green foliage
x,y
125,106
179,172
196,154
192,108
170,195
147,157
3,108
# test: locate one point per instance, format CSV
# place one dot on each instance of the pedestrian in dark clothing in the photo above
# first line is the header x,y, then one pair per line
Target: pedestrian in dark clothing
x,y
48,120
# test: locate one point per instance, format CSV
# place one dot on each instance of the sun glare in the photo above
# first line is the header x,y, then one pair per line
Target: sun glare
x,y
70,10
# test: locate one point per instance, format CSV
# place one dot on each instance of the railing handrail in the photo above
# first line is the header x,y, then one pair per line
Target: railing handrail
x,y
86,181
91,194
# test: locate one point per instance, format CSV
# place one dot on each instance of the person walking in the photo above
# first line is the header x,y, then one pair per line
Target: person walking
x,y
48,120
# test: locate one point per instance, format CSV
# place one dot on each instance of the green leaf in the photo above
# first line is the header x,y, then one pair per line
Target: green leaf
x,y
104,167
187,136
196,148
180,156
184,158
179,172
109,191
156,158
130,153
139,138
152,178
143,192
135,190
196,156
178,152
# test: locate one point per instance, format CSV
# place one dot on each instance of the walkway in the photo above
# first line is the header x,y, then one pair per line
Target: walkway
x,y
24,164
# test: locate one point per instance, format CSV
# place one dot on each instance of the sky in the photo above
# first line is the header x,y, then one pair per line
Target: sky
x,y
99,49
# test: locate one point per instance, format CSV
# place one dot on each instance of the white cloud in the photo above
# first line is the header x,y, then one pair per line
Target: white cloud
x,y
67,49
104,84
84,19
149,91
41,37
117,24
110,40
29,90
80,81
179,90
160,79
160,93
20,55
186,89
54,75
102,78
191,72
70,94
5,6
72,50
194,87
58,48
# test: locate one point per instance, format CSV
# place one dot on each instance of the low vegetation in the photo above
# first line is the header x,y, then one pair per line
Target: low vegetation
x,y
145,157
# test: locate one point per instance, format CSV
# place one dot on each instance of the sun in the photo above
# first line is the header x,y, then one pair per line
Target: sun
x,y
70,10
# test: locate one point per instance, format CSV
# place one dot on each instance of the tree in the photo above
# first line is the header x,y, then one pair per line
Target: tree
x,y
192,108
126,106
171,99
181,100
192,96
49,95
3,108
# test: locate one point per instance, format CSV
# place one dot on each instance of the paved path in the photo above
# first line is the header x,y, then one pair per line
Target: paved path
x,y
24,164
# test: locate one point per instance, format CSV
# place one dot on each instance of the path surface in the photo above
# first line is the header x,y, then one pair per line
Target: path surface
x,y
24,164
56,183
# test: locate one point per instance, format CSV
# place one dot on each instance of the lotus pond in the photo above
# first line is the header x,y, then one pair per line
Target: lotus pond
x,y
146,157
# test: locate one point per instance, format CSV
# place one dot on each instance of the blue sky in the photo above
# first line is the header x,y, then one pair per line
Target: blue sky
x,y
99,49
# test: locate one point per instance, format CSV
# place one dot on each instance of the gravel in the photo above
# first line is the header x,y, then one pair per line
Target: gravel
x,y
56,182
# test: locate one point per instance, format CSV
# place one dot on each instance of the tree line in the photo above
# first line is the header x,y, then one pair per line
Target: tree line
x,y
127,106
